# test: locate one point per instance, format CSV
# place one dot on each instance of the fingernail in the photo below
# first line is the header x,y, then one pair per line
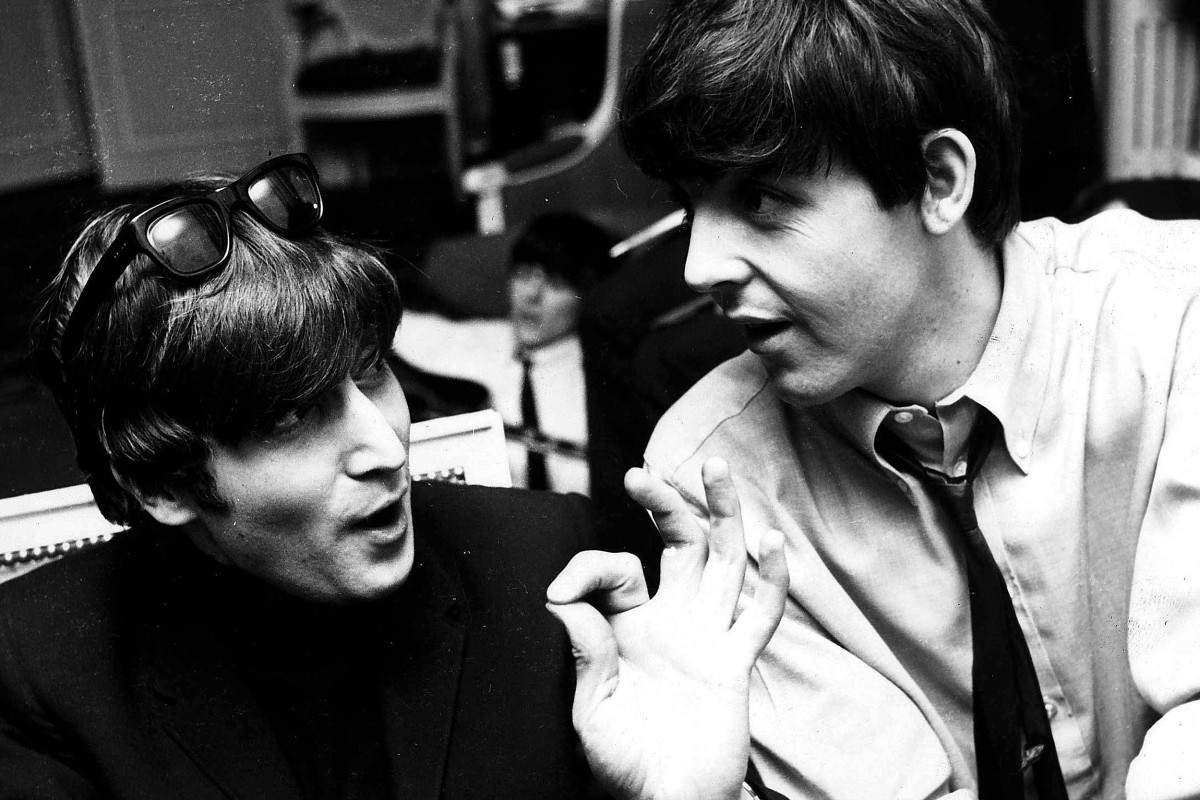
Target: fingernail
x,y
716,467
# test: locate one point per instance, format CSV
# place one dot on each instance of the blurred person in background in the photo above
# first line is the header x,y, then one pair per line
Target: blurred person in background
x,y
531,363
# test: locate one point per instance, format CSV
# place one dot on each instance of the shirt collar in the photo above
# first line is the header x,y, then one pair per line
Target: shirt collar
x,y
557,350
1010,379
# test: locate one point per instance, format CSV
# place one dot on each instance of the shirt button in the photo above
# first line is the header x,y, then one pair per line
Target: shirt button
x,y
960,469
903,417
1051,707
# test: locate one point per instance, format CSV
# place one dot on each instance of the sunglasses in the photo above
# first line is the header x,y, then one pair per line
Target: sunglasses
x,y
191,237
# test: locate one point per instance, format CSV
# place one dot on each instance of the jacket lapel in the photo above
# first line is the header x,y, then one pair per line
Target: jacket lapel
x,y
424,663
206,707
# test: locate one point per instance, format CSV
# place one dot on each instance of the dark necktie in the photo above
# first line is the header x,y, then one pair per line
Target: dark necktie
x,y
535,474
1012,731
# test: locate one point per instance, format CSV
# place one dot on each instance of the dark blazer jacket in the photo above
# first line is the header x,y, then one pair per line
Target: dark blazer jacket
x,y
114,684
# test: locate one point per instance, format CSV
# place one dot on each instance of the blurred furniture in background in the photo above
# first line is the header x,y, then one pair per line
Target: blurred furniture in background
x,y
1060,136
140,92
38,528
467,448
43,134
371,60
1150,71
43,140
1148,57
579,165
174,87
145,92
548,65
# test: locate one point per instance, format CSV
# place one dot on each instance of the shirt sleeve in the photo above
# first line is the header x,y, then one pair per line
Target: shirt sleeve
x,y
1164,616
1168,767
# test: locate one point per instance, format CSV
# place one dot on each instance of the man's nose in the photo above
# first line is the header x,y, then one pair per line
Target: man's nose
x,y
532,290
713,262
375,441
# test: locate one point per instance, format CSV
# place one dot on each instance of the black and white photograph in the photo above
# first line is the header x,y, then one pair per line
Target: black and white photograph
x,y
600,400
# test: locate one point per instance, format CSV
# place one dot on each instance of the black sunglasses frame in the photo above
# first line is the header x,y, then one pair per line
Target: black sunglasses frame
x,y
133,239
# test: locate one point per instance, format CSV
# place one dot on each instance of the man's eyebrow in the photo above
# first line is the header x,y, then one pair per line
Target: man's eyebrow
x,y
680,195
790,187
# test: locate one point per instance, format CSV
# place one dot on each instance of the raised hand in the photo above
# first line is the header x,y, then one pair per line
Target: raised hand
x,y
662,696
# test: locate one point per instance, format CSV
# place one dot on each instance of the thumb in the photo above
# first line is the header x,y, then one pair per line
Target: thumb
x,y
595,651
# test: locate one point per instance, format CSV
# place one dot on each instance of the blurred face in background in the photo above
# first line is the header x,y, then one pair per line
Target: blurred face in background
x,y
543,307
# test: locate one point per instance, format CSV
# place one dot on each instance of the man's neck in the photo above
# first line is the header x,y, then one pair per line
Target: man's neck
x,y
964,301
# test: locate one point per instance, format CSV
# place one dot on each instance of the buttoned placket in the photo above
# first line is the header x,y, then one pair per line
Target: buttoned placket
x,y
1064,725
910,445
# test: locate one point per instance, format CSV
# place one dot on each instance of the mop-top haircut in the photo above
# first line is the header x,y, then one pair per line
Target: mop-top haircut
x,y
792,86
168,366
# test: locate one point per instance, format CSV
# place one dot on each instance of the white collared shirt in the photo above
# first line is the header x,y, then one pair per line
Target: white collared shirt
x,y
1093,370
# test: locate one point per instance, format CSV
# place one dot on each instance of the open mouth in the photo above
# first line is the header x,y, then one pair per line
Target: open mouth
x,y
761,331
386,517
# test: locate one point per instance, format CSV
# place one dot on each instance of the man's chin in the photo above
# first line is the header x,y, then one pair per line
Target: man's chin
x,y
383,575
526,334
393,573
801,389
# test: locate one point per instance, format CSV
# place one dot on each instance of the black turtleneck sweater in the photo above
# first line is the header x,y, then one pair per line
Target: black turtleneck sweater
x,y
316,670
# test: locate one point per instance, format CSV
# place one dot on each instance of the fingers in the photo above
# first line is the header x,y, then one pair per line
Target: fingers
x,y
595,583
759,619
613,582
685,548
725,570
595,651
708,568
671,514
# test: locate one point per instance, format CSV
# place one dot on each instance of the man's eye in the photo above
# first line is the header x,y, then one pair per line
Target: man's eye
x,y
762,204
372,374
291,421
682,199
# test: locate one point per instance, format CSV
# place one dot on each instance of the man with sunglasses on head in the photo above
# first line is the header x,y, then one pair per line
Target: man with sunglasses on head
x,y
289,615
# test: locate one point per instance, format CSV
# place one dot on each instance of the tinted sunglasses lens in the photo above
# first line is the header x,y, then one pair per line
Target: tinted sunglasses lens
x,y
288,197
190,239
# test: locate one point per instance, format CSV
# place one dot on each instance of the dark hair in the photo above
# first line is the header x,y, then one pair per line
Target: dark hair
x,y
167,367
794,85
566,245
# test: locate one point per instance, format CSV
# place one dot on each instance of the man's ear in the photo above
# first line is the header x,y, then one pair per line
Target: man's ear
x,y
167,506
949,179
